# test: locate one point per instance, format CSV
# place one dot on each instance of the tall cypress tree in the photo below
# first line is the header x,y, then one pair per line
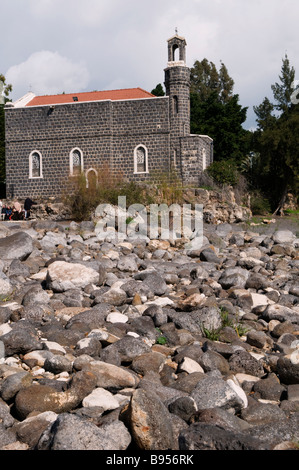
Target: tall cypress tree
x,y
215,111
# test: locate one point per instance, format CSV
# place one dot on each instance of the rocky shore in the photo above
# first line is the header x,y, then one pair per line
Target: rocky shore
x,y
145,345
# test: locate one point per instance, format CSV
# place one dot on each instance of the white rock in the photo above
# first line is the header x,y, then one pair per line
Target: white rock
x,y
162,301
101,397
63,276
51,240
5,328
241,378
84,343
98,334
113,255
2,351
189,365
38,371
115,317
127,245
132,333
38,356
5,286
294,357
48,416
53,346
260,299
114,296
256,355
283,236
122,399
239,391
40,276
295,344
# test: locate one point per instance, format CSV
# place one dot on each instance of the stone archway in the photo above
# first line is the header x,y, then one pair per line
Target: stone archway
x,y
91,178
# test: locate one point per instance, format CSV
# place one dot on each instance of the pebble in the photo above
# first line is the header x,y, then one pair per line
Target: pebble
x,y
146,344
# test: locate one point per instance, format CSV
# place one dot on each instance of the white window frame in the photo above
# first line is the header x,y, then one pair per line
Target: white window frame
x,y
204,159
40,165
135,160
71,160
86,175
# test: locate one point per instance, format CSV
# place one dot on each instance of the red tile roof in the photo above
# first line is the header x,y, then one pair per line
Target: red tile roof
x,y
125,94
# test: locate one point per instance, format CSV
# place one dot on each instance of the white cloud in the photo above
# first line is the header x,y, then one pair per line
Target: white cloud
x,y
47,72
90,13
123,43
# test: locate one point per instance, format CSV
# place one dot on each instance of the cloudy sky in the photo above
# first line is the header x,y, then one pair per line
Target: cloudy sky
x,y
55,46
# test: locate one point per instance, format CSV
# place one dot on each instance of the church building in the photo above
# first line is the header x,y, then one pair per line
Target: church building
x,y
133,132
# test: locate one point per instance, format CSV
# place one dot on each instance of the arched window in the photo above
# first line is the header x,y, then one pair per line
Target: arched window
x,y
204,159
175,105
76,162
140,159
175,53
35,165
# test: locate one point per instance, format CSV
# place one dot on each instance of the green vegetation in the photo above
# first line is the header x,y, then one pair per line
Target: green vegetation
x,y
226,321
269,157
276,142
259,204
224,172
292,211
158,91
215,111
82,196
160,339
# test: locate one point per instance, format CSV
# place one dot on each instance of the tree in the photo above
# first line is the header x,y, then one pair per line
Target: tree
x,y
5,90
282,92
278,140
205,80
215,110
158,91
264,112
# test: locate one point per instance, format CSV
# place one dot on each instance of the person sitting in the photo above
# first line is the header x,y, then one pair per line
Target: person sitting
x,y
16,211
8,213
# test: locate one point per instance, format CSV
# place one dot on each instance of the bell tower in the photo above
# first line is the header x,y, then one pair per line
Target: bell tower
x,y
177,85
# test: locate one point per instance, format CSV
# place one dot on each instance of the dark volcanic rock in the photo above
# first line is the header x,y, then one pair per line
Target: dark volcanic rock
x,y
147,344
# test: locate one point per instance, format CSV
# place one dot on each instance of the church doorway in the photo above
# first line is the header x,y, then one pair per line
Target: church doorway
x,y
91,178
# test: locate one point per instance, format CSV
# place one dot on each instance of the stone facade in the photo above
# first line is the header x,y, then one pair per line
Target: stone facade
x,y
134,137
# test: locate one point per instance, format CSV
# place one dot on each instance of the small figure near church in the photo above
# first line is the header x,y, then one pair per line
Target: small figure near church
x,y
27,207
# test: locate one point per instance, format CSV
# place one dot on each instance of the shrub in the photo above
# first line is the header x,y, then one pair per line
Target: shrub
x,y
259,204
82,198
224,172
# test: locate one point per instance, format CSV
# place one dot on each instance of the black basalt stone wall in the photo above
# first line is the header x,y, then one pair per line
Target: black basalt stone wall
x,y
105,132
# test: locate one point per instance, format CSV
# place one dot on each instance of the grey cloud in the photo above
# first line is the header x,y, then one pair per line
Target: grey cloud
x,y
124,43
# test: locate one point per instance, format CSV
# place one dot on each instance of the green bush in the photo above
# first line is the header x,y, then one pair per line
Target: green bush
x,y
259,204
224,172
